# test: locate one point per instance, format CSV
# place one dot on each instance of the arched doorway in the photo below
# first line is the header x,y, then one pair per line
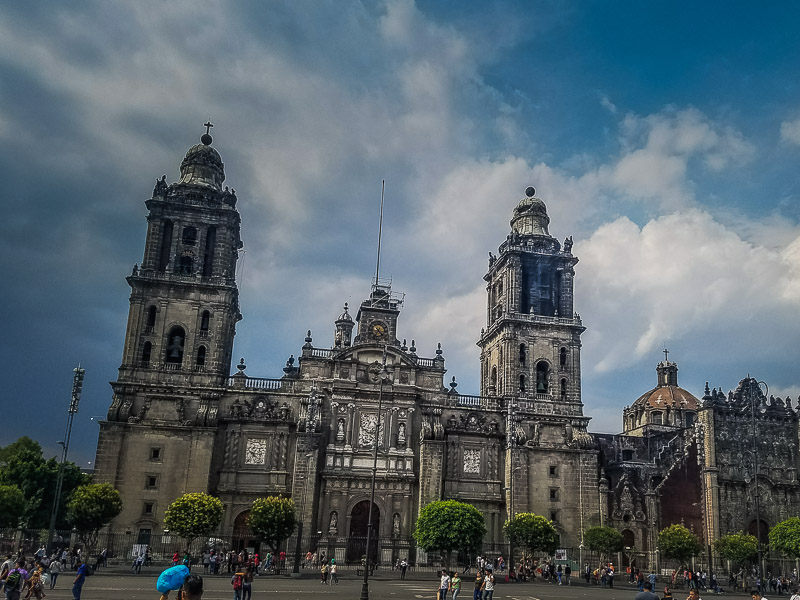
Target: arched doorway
x,y
753,530
357,540
242,538
629,545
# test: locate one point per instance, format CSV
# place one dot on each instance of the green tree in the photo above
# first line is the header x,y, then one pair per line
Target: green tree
x,y
678,543
785,537
193,515
272,520
739,548
533,532
449,525
12,505
603,540
23,465
90,508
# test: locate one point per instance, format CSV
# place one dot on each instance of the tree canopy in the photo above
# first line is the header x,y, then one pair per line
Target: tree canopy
x,y
533,532
603,540
739,548
90,508
272,520
449,525
193,515
12,505
678,543
23,465
785,537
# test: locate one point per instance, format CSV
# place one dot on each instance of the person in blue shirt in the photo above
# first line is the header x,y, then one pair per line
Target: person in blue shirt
x,y
80,579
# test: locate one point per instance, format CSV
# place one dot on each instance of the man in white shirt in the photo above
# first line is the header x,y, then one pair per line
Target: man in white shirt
x,y
444,585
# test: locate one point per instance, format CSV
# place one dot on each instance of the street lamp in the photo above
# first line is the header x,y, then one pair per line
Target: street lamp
x,y
75,397
382,377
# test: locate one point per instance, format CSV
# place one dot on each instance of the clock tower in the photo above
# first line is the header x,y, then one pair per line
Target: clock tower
x,y
377,315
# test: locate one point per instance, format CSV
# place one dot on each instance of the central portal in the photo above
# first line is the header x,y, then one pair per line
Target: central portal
x,y
357,541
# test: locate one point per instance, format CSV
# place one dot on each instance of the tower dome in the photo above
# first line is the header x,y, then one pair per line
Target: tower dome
x,y
666,405
203,166
530,215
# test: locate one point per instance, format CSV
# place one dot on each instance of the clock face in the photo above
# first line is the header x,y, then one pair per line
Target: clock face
x,y
378,330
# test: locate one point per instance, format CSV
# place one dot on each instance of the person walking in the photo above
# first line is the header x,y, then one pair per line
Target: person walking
x,y
403,568
16,579
488,585
247,584
334,576
192,588
567,575
80,579
646,593
55,571
477,592
455,584
237,581
444,584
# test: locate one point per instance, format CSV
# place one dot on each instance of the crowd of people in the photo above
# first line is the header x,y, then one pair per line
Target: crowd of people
x,y
33,575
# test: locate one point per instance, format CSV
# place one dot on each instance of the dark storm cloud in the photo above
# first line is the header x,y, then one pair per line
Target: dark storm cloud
x,y
314,104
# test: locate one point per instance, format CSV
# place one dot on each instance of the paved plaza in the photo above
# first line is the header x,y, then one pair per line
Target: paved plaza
x,y
113,586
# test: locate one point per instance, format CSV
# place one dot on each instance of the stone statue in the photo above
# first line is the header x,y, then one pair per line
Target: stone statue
x,y
340,431
568,245
401,434
160,190
332,528
396,524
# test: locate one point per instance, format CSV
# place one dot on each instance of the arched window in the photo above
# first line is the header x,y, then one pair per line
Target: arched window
x,y
562,357
689,419
175,341
493,381
166,245
522,354
542,371
201,356
151,317
657,418
522,383
189,236
148,348
186,264
208,256
204,321
563,389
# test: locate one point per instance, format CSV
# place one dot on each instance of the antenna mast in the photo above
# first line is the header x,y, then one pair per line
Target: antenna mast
x,y
380,233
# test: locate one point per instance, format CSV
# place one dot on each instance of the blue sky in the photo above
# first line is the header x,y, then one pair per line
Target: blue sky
x,y
664,136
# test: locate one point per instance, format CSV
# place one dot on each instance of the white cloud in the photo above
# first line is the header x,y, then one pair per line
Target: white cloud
x,y
683,275
608,105
790,131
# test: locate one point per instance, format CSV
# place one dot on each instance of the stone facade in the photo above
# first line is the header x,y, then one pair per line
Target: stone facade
x,y
180,422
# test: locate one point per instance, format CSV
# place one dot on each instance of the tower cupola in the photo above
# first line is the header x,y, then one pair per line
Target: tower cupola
x,y
530,216
202,166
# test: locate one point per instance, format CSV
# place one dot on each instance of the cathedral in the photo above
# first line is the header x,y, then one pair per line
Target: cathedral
x,y
180,421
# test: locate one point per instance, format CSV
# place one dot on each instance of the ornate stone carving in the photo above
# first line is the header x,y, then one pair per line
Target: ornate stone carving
x,y
472,462
367,428
255,453
260,409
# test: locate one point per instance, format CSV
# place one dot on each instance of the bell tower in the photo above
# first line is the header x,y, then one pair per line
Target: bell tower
x,y
184,302
157,440
531,345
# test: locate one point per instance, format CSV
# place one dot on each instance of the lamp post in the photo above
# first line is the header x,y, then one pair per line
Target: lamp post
x,y
382,377
75,397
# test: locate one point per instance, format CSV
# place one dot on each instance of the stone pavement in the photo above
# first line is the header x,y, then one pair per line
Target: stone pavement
x,y
115,586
